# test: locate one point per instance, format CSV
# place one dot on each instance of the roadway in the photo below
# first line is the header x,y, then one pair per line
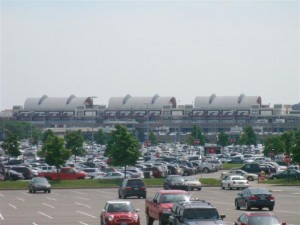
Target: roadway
x,y
83,206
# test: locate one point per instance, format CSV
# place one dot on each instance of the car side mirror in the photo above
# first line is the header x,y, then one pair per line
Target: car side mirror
x,y
155,201
137,210
103,210
222,216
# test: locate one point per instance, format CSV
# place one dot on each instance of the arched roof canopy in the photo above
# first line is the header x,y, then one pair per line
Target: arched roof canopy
x,y
46,103
226,102
128,102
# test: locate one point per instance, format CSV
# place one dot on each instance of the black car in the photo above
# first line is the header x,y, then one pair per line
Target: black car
x,y
27,172
132,187
13,175
175,182
251,168
287,174
195,212
39,184
255,197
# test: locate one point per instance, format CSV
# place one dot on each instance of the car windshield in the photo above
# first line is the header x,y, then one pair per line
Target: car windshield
x,y
120,207
177,179
260,191
238,178
263,220
190,178
40,180
201,214
167,198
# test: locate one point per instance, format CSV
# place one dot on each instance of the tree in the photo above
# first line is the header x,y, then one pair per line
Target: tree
x,y
55,152
74,142
101,137
248,137
10,145
288,139
197,136
274,144
152,138
223,139
141,135
46,134
295,150
123,147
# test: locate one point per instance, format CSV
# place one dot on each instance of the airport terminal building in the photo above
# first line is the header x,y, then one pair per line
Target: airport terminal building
x,y
212,113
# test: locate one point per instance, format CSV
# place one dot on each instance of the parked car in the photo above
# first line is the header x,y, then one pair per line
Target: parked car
x,y
132,187
235,159
287,174
234,181
174,169
155,171
192,183
39,184
112,175
218,164
14,175
27,172
257,218
187,171
255,197
248,176
119,212
93,172
251,168
175,182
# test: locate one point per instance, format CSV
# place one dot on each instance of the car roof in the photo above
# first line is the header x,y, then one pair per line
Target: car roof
x,y
259,214
118,201
173,192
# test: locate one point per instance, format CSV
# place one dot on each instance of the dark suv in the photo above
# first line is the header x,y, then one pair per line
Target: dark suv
x,y
27,172
175,182
195,212
132,187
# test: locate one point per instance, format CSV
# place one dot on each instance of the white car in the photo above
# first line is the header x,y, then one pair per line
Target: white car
x,y
234,181
93,172
248,176
113,175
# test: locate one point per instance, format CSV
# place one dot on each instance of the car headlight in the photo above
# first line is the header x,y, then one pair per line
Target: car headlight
x,y
135,217
110,217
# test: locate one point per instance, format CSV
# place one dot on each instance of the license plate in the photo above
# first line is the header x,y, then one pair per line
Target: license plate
x,y
123,223
134,189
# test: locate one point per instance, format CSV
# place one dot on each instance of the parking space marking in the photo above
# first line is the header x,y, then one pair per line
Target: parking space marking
x,y
77,203
223,203
44,214
1,195
106,192
1,217
82,198
56,194
33,223
78,192
83,223
48,205
287,211
53,199
21,199
12,206
83,213
25,193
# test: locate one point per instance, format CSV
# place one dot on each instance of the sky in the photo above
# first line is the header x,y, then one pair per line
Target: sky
x,y
180,49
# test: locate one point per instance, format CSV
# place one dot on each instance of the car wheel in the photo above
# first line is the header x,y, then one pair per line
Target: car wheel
x,y
237,205
119,195
185,173
124,196
101,221
160,222
223,187
33,191
144,196
199,189
229,187
49,191
271,208
247,206
205,170
45,191
149,219
250,178
30,191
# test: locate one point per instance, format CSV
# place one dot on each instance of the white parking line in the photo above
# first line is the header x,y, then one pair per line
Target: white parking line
x,y
48,205
25,193
53,199
224,203
44,214
287,211
33,223
82,198
77,203
82,193
83,223
2,195
12,206
21,199
1,217
86,214
56,194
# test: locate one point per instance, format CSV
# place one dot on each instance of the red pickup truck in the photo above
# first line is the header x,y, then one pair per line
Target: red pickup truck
x,y
65,173
159,206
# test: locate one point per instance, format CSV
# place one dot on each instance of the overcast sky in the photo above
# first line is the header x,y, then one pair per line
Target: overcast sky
x,y
171,48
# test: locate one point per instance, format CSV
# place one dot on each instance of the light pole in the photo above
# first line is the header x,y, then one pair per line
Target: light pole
x,y
147,121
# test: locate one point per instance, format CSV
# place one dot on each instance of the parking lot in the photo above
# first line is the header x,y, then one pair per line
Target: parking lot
x,y
83,206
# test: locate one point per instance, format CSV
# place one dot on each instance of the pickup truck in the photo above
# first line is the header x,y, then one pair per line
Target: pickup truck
x,y
65,173
159,206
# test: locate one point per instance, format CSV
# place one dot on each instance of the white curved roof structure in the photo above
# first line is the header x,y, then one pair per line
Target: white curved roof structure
x,y
128,102
57,103
226,102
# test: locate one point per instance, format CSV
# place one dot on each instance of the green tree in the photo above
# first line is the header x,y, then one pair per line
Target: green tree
x,y
55,152
141,135
248,137
123,147
101,138
46,134
288,139
295,150
197,135
223,139
274,144
74,142
10,145
152,138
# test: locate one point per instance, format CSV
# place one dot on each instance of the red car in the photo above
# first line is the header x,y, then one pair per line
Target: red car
x,y
258,218
119,212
